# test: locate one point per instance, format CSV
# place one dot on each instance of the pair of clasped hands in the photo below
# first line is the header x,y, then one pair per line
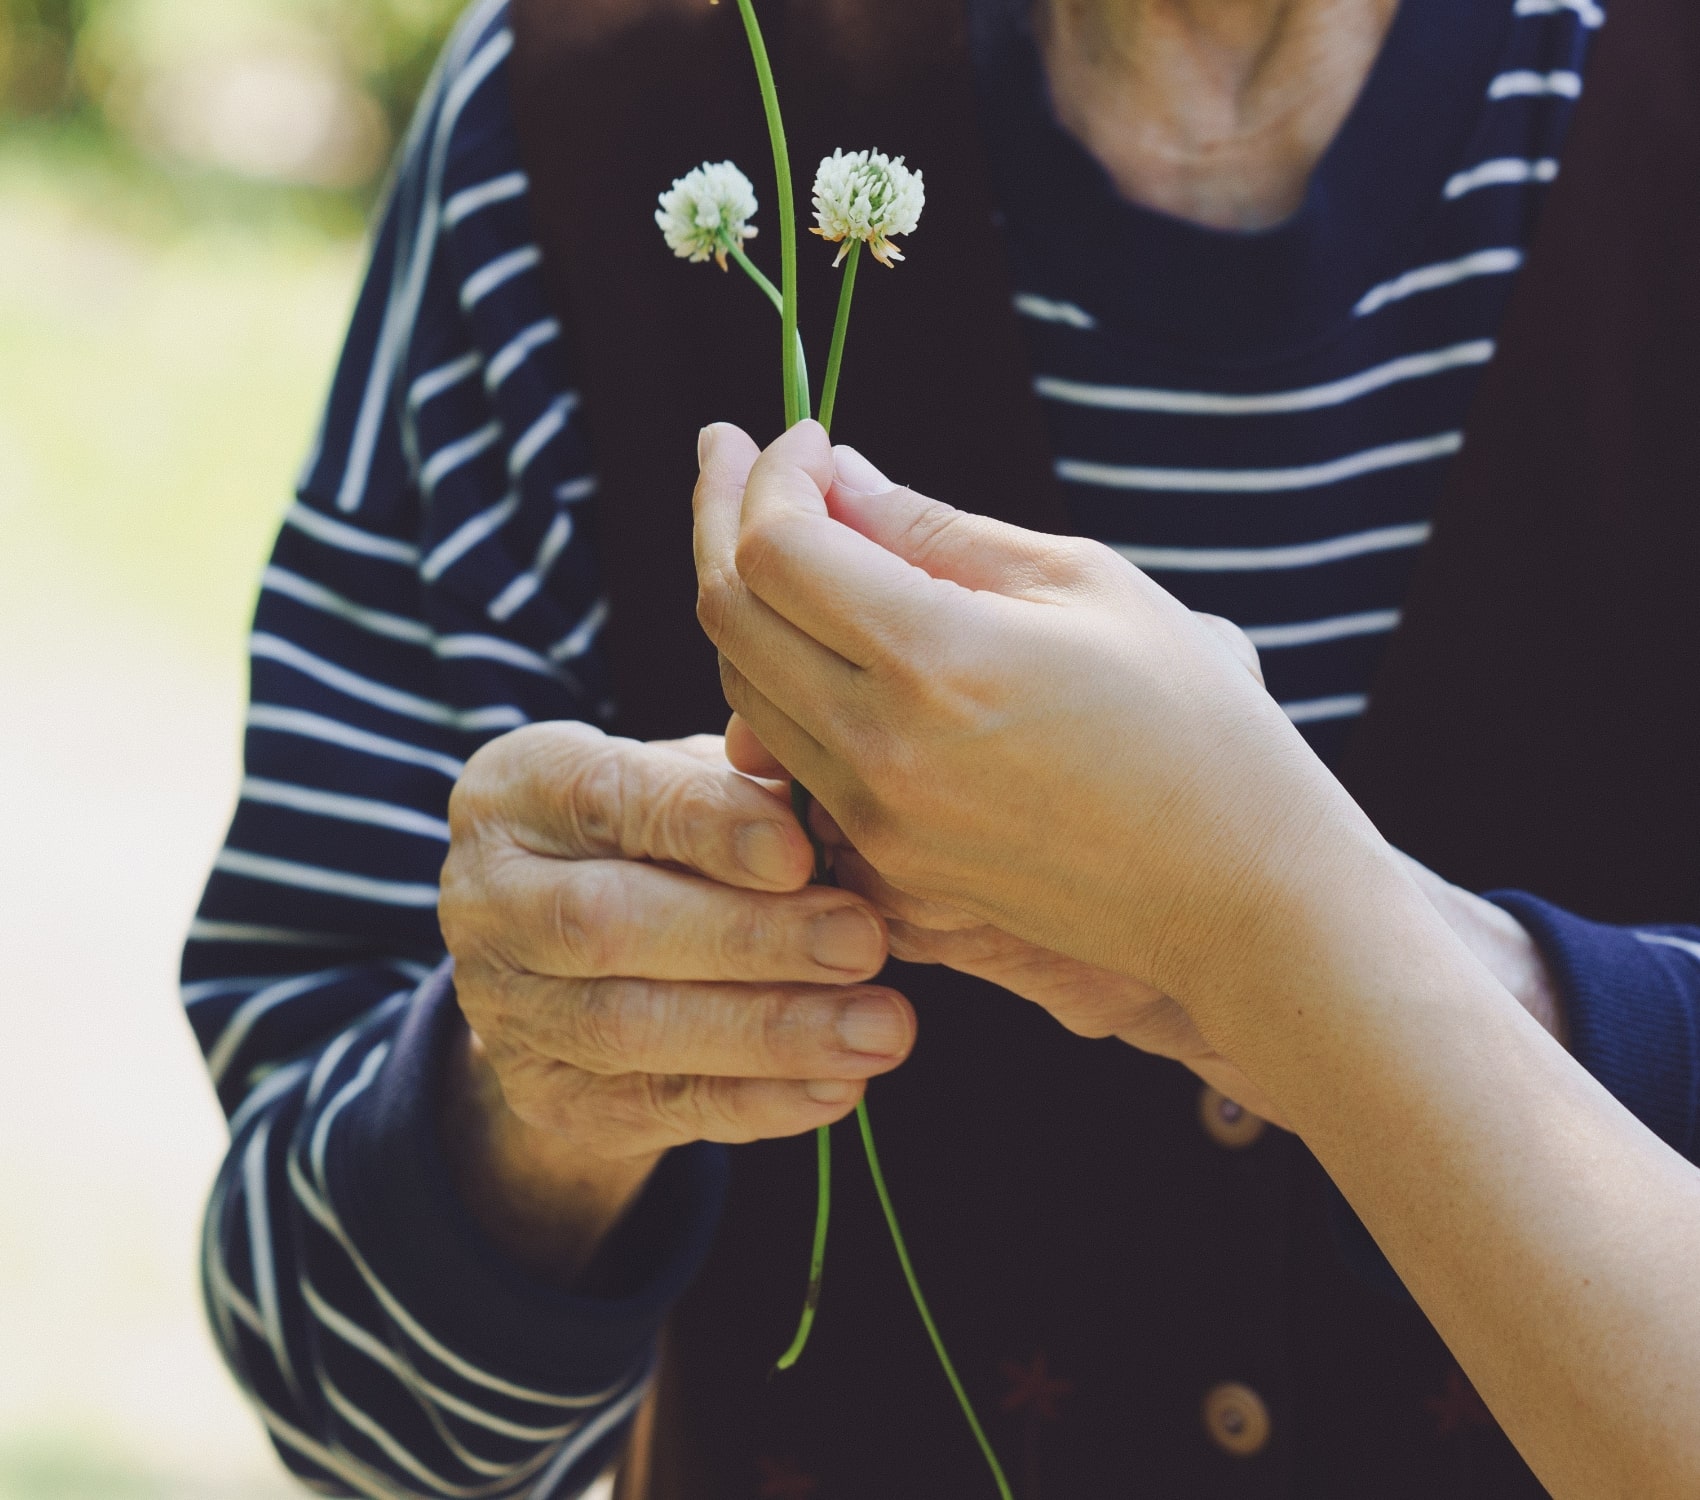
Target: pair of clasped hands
x,y
1030,763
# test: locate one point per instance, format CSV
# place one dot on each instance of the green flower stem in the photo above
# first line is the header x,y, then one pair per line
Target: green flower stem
x,y
776,297
921,1302
835,360
796,392
817,1257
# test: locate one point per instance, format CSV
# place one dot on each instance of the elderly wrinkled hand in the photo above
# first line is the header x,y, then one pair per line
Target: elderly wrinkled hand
x,y
1023,727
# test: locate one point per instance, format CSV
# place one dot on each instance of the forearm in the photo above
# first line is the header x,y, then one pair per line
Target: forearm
x,y
548,1205
1549,1237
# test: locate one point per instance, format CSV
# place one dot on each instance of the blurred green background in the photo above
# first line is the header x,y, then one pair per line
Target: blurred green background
x,y
184,188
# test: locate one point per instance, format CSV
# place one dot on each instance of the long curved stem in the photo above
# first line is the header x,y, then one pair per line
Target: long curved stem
x,y
835,359
777,298
921,1303
817,1257
796,393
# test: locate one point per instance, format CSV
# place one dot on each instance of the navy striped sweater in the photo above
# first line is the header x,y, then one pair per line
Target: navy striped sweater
x,y
1262,421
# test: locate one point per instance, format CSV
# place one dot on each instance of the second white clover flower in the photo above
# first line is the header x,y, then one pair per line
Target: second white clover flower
x,y
870,197
707,212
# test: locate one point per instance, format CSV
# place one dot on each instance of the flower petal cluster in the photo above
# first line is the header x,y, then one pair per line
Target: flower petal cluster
x,y
707,212
867,196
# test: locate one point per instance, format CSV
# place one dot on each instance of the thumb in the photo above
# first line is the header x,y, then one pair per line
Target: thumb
x,y
973,551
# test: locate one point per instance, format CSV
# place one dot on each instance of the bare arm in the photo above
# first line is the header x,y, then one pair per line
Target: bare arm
x,y
922,670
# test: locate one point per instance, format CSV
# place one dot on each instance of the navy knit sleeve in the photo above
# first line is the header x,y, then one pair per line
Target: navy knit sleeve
x,y
1631,996
434,585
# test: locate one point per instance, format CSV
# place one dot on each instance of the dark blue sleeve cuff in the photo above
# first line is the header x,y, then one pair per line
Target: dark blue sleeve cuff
x,y
1632,1001
391,1184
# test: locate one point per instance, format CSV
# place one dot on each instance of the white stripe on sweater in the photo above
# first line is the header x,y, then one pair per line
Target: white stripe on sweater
x,y
343,808
1309,398
457,455
517,350
1260,481
269,647
1665,940
414,259
506,1475
497,274
317,596
1587,11
461,541
346,538
1312,632
524,588
433,383
328,882
469,201
309,726
242,1022
380,1353
255,1195
1501,171
313,1199
1047,310
1524,83
1257,559
1497,262
1314,710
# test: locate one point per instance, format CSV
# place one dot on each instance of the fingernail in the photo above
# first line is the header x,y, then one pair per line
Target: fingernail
x,y
705,445
855,475
830,1091
873,1025
848,939
765,852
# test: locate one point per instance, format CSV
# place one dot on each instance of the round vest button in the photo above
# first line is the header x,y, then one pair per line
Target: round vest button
x,y
1227,1123
1236,1419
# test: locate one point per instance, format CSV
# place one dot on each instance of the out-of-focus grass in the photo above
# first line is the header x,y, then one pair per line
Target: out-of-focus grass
x,y
163,351
164,347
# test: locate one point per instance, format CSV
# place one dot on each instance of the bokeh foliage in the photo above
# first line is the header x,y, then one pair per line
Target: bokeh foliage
x,y
61,60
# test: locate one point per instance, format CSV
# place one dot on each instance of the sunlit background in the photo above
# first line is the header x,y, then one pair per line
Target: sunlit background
x,y
184,186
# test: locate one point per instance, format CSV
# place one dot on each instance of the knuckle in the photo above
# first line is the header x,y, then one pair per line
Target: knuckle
x,y
588,916
673,1100
594,795
759,551
929,529
685,815
604,1031
716,599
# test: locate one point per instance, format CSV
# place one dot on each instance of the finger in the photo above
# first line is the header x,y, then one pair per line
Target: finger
x,y
639,1113
1237,641
854,873
747,753
803,756
725,456
768,646
833,585
973,551
611,1026
709,749
577,794
590,919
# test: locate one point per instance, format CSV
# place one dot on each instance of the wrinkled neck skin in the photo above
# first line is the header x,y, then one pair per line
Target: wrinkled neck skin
x,y
1214,111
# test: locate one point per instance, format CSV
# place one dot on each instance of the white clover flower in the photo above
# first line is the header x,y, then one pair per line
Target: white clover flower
x,y
867,196
707,212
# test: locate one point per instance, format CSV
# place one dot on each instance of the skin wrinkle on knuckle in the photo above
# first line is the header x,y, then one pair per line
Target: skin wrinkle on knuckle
x,y
688,818
592,797
585,914
603,1030
717,601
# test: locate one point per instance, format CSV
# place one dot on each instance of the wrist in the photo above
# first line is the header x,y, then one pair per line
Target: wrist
x,y
542,1201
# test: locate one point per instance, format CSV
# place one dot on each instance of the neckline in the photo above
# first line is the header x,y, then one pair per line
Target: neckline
x,y
1233,296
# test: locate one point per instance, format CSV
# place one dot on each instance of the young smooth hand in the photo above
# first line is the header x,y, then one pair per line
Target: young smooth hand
x,y
1021,727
